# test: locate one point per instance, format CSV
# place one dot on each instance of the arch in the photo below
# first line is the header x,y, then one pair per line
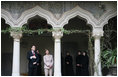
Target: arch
x,y
7,17
36,11
28,14
37,22
108,16
78,22
77,11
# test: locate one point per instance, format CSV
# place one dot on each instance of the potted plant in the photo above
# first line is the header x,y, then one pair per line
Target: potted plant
x,y
110,60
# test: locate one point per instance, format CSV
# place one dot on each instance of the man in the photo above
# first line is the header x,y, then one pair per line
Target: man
x,y
39,64
33,60
78,64
69,64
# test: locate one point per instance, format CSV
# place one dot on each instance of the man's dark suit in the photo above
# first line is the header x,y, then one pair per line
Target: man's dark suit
x,y
32,68
39,70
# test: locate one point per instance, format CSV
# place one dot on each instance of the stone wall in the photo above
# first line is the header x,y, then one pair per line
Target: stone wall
x,y
57,7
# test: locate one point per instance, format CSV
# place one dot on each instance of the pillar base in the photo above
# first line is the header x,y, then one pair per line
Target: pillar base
x,y
57,74
15,74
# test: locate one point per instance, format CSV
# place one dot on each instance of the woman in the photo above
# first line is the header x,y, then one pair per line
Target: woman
x,y
78,64
48,63
69,65
85,63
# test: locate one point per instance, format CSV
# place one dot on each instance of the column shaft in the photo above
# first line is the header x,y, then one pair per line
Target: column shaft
x,y
97,58
16,58
57,58
16,53
57,34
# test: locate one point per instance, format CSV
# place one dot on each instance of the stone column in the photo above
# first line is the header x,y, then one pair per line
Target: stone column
x,y
16,53
97,52
57,52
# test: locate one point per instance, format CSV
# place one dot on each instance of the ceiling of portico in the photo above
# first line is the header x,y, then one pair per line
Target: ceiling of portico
x,y
77,23
56,7
37,22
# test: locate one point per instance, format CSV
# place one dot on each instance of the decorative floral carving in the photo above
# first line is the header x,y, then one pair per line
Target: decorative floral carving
x,y
17,8
97,33
16,35
57,33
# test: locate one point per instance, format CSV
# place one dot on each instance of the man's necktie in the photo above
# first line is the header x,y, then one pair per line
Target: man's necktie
x,y
33,53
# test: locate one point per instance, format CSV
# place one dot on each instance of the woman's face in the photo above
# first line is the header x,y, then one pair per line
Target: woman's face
x,y
47,52
79,53
67,53
37,51
84,53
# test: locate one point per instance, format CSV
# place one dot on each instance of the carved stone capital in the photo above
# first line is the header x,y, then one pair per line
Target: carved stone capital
x,y
97,36
16,35
97,33
57,33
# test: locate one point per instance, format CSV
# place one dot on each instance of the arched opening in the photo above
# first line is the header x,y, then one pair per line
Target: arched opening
x,y
109,42
75,42
42,42
6,50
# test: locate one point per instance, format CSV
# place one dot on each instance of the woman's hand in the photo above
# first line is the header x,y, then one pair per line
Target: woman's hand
x,y
50,66
34,63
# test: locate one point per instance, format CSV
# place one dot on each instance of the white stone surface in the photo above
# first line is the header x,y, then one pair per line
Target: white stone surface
x,y
57,53
16,54
97,58
64,18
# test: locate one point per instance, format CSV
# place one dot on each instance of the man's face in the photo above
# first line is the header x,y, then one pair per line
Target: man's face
x,y
33,48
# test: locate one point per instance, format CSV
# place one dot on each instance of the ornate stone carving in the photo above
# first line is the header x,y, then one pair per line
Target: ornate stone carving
x,y
28,14
97,32
57,34
68,9
56,7
16,36
96,8
97,36
17,8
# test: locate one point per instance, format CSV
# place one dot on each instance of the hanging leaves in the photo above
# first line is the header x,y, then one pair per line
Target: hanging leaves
x,y
40,31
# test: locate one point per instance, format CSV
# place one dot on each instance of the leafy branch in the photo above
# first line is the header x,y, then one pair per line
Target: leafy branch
x,y
40,31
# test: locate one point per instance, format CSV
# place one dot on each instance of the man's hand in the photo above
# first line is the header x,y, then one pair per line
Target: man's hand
x,y
34,63
34,57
